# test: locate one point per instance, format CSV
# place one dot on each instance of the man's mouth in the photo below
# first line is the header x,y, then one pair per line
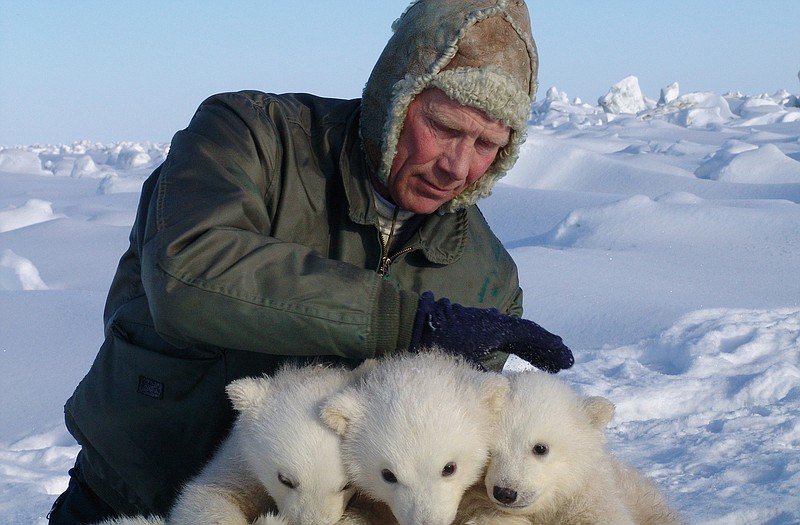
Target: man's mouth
x,y
435,189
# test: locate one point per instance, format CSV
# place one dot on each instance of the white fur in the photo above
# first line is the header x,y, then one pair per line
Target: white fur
x,y
417,415
549,464
277,439
134,520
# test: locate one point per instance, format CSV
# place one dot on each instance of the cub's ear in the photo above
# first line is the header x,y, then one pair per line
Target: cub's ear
x,y
366,366
494,388
339,410
600,411
248,393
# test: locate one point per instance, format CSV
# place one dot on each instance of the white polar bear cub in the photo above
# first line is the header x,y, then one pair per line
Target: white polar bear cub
x,y
550,465
415,433
279,457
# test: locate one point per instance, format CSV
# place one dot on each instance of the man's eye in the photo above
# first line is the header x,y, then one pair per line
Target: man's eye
x,y
442,128
486,146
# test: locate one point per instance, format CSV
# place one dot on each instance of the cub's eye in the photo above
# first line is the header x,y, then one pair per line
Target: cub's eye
x,y
449,469
540,449
388,476
347,486
286,481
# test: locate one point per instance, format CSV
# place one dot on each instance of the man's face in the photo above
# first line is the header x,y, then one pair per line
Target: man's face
x,y
442,149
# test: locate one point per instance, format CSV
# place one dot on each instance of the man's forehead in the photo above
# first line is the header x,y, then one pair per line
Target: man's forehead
x,y
438,105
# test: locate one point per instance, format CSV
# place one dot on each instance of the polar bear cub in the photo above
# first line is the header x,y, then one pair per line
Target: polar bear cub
x,y
279,456
549,464
416,431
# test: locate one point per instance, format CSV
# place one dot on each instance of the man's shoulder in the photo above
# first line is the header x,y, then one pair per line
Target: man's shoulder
x,y
478,223
312,113
483,235
287,102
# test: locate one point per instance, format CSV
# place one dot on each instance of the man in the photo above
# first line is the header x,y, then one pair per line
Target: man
x,y
291,225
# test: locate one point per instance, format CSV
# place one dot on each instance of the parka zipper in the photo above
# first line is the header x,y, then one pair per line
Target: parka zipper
x,y
387,259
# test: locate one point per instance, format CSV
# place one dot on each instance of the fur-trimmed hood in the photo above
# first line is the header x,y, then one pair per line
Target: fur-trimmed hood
x,y
478,52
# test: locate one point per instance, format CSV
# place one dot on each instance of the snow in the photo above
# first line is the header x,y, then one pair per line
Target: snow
x,y
660,239
624,97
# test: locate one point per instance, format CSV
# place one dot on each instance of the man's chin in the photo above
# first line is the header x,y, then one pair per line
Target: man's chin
x,y
425,203
423,206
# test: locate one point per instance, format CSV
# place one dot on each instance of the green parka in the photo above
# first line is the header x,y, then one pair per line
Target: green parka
x,y
256,240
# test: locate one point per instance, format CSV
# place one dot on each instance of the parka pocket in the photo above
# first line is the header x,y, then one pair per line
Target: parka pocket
x,y
151,419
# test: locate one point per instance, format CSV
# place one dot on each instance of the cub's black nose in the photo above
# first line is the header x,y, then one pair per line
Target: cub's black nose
x,y
504,495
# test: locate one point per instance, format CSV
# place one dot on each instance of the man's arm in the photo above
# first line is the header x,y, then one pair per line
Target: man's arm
x,y
214,274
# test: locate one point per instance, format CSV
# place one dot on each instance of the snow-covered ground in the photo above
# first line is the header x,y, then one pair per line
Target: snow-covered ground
x,y
660,239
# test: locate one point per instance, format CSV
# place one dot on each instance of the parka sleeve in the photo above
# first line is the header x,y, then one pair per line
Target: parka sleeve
x,y
214,275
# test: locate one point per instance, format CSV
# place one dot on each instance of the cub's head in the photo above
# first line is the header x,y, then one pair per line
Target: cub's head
x,y
549,440
415,433
285,445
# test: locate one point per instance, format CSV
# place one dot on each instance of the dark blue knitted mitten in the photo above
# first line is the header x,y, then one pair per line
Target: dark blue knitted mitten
x,y
477,332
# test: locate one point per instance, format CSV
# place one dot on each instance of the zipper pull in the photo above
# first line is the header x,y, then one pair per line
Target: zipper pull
x,y
385,262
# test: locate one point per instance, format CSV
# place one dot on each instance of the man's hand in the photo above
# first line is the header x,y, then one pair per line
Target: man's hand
x,y
477,332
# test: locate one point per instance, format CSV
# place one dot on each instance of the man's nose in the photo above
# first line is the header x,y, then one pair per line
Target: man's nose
x,y
456,160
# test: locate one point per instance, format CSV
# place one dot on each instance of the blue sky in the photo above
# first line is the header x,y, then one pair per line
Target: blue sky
x,y
111,71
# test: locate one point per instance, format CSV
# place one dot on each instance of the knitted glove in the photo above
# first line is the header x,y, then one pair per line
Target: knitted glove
x,y
476,332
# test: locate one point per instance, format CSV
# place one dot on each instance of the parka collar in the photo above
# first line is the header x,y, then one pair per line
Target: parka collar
x,y
442,237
